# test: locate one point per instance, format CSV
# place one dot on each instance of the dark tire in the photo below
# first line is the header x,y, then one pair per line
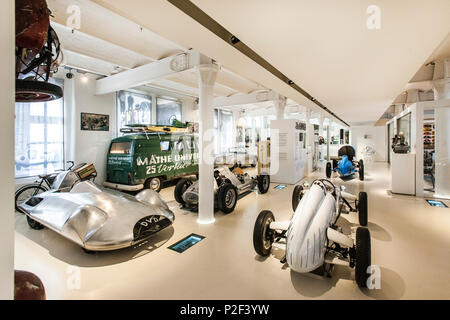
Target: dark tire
x,y
263,183
180,189
335,163
34,224
262,240
361,170
297,196
153,183
328,170
37,91
363,256
362,209
227,197
26,192
88,251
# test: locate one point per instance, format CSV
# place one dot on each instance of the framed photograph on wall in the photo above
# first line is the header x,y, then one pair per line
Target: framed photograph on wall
x,y
94,122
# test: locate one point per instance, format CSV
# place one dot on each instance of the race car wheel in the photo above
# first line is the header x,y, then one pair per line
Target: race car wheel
x,y
328,170
153,183
335,163
26,192
34,224
263,183
180,189
362,208
363,256
297,196
227,197
361,170
262,234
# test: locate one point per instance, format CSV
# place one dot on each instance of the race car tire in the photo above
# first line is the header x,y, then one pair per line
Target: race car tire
x,y
262,242
180,189
328,170
227,197
361,170
263,183
153,183
335,163
35,188
363,256
34,224
362,208
297,196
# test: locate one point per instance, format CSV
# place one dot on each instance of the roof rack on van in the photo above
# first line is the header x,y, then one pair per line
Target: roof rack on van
x,y
176,127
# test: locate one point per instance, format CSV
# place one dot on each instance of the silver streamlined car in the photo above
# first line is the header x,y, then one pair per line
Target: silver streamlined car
x,y
96,218
228,186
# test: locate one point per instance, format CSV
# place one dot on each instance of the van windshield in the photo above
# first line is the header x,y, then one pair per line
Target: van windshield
x,y
120,148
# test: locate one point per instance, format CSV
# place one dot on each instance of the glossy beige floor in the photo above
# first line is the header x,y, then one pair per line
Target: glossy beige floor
x,y
410,244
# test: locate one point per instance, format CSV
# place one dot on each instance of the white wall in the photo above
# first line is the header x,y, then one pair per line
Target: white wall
x,y
87,146
7,146
369,135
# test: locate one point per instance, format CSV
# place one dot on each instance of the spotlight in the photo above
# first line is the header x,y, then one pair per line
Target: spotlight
x,y
84,78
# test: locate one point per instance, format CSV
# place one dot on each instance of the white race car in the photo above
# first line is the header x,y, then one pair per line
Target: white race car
x,y
311,239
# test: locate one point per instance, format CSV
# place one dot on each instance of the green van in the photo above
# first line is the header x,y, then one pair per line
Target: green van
x,y
145,160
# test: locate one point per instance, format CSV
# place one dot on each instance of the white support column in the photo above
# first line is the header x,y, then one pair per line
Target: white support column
x,y
309,143
206,79
280,106
328,142
7,145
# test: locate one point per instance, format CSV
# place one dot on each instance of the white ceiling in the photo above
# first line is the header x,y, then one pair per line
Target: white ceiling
x,y
323,46
108,43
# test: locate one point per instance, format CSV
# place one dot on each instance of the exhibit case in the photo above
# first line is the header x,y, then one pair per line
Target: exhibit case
x,y
287,150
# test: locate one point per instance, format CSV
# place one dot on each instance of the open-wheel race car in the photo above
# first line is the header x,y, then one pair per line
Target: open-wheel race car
x,y
228,187
96,218
311,239
344,164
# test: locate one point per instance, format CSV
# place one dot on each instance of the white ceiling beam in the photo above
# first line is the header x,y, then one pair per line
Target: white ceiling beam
x,y
254,97
152,71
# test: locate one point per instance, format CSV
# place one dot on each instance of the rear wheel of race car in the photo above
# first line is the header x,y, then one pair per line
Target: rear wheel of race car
x,y
363,256
34,224
263,183
180,189
227,197
328,170
361,170
362,209
153,183
297,196
262,234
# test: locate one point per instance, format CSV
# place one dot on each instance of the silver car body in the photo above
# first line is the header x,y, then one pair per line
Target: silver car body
x,y
96,218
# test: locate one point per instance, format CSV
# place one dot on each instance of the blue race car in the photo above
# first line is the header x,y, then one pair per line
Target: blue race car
x,y
344,164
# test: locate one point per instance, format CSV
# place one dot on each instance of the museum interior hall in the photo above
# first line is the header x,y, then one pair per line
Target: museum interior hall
x,y
225,150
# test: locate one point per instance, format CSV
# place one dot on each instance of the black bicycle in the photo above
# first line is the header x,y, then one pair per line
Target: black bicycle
x,y
44,184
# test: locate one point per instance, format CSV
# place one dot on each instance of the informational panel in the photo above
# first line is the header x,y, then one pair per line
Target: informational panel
x,y
403,169
287,150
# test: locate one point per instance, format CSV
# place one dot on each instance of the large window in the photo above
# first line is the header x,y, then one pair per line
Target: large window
x,y
133,108
223,127
167,110
39,138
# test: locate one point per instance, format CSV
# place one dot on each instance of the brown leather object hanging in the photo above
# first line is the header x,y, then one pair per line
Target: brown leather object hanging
x,y
27,286
32,22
